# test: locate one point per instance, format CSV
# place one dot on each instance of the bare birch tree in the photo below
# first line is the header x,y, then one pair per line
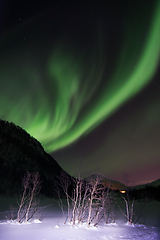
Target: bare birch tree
x,y
129,204
28,204
87,201
100,201
33,192
24,198
134,212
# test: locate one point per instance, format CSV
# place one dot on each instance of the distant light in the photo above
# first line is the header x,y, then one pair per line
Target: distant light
x,y
123,191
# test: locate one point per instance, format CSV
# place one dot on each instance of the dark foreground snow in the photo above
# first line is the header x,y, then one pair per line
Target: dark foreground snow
x,y
52,227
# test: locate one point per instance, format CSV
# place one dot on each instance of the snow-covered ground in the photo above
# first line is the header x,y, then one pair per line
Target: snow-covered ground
x,y
52,226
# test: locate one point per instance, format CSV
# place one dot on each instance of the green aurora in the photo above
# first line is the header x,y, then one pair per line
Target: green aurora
x,y
71,94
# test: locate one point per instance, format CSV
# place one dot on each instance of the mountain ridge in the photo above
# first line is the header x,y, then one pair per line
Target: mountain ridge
x,y
20,153
116,185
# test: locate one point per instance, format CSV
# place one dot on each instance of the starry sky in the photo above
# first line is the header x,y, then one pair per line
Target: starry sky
x,y
83,79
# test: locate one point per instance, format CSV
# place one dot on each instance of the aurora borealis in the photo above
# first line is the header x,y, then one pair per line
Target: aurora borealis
x,y
69,73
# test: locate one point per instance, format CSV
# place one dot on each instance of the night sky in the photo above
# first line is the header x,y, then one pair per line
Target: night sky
x,y
84,80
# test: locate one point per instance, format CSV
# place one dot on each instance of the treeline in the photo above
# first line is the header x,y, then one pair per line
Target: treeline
x,y
146,193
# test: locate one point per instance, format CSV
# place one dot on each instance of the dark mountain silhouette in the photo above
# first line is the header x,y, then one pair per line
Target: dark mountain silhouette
x,y
155,183
149,191
20,153
112,184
